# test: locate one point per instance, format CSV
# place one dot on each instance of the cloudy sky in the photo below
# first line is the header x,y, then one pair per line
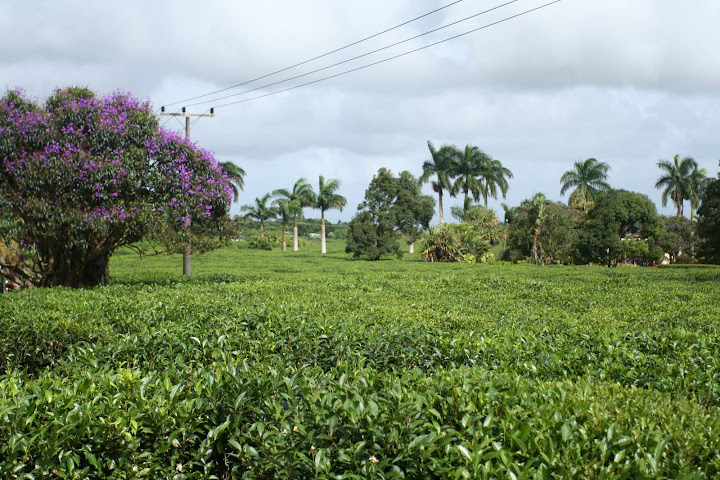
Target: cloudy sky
x,y
628,82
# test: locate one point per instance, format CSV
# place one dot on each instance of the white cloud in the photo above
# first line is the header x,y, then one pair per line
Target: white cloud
x,y
625,82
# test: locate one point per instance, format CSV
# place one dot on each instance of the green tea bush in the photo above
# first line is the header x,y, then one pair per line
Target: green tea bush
x,y
268,365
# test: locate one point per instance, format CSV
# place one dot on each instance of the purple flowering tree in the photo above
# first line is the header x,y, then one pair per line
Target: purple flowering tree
x,y
81,176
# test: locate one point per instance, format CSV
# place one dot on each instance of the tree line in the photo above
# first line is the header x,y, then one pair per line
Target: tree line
x,y
82,176
287,205
598,224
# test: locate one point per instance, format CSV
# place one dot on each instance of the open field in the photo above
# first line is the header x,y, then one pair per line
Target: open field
x,y
297,365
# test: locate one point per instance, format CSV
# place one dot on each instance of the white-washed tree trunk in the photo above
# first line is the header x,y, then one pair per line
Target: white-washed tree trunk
x,y
440,205
412,247
295,237
322,236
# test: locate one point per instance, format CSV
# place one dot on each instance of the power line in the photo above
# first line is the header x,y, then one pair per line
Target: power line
x,y
318,57
393,57
354,58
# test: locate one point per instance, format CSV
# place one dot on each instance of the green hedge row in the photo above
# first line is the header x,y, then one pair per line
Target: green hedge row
x,y
390,370
264,420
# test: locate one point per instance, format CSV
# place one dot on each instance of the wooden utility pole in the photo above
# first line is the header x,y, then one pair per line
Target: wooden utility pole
x,y
187,254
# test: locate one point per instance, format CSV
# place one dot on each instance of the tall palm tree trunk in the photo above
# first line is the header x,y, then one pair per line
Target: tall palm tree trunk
x,y
295,236
440,206
284,243
322,234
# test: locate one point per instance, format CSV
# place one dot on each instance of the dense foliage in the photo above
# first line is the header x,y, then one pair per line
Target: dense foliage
x,y
681,180
619,216
81,176
680,239
708,225
450,242
392,205
313,366
543,231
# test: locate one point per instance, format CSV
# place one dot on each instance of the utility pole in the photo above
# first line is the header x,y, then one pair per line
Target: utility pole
x,y
187,254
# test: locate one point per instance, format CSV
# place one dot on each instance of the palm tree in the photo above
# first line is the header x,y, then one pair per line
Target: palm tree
x,y
327,199
261,211
676,181
588,177
536,208
301,196
492,175
697,182
466,166
285,211
439,165
235,176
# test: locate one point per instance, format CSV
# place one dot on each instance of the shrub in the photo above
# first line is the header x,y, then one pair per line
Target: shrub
x,y
451,242
260,243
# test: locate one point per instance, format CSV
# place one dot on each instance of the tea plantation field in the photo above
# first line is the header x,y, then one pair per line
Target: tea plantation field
x,y
272,365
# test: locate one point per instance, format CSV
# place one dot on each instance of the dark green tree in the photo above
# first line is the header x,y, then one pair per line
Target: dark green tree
x,y
559,233
680,240
618,216
708,223
413,210
390,207
538,230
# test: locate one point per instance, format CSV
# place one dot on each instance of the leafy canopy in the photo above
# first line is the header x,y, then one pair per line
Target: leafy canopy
x,y
82,176
619,215
680,180
588,178
391,205
708,225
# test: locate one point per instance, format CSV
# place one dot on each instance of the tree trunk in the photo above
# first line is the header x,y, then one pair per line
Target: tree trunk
x,y
187,260
187,255
262,231
76,270
295,236
322,234
284,243
96,272
440,206
412,247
